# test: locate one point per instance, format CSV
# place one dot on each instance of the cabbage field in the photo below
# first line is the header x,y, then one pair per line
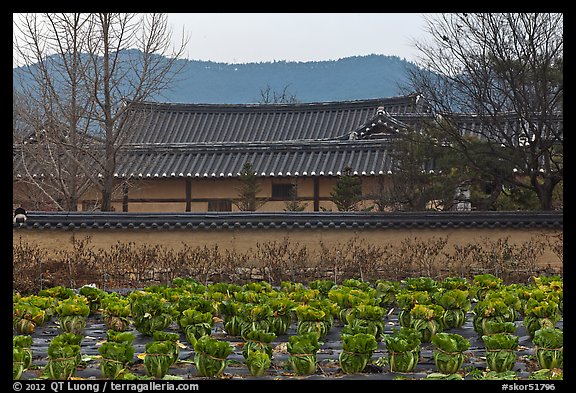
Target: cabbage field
x,y
416,328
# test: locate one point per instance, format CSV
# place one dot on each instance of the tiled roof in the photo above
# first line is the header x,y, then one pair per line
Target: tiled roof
x,y
301,139
267,220
292,159
213,123
368,157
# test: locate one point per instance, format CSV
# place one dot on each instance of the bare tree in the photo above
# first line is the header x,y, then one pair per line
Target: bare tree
x,y
506,69
111,62
269,96
50,108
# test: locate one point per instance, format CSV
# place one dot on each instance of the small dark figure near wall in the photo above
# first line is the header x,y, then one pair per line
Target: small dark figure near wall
x,y
20,216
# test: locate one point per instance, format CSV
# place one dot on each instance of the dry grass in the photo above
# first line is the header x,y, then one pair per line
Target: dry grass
x,y
124,265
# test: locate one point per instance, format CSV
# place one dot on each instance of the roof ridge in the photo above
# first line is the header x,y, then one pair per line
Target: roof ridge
x,y
307,143
275,106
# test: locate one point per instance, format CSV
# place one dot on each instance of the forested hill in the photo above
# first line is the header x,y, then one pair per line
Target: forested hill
x,y
350,78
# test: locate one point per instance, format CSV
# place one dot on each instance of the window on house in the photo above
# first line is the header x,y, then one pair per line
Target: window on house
x,y
283,190
220,205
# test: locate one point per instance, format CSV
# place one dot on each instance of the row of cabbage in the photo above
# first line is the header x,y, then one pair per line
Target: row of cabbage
x,y
427,310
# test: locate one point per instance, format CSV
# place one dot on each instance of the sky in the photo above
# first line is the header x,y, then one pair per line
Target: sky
x,y
266,37
300,37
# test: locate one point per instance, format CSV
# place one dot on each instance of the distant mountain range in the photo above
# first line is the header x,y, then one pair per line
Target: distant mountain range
x,y
350,78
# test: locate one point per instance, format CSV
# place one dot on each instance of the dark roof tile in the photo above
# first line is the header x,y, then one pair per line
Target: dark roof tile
x,y
181,123
311,220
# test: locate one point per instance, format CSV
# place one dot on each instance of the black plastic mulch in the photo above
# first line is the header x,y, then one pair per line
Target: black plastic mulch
x,y
327,356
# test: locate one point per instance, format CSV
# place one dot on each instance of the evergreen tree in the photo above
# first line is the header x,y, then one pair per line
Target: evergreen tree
x,y
294,205
347,193
248,190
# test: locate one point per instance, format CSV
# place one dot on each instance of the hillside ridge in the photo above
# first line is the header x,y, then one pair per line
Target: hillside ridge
x,y
345,79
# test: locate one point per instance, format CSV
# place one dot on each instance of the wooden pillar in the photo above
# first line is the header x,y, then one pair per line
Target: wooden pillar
x,y
125,198
316,194
188,194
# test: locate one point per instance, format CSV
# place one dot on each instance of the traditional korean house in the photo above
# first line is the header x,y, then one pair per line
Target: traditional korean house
x,y
188,157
